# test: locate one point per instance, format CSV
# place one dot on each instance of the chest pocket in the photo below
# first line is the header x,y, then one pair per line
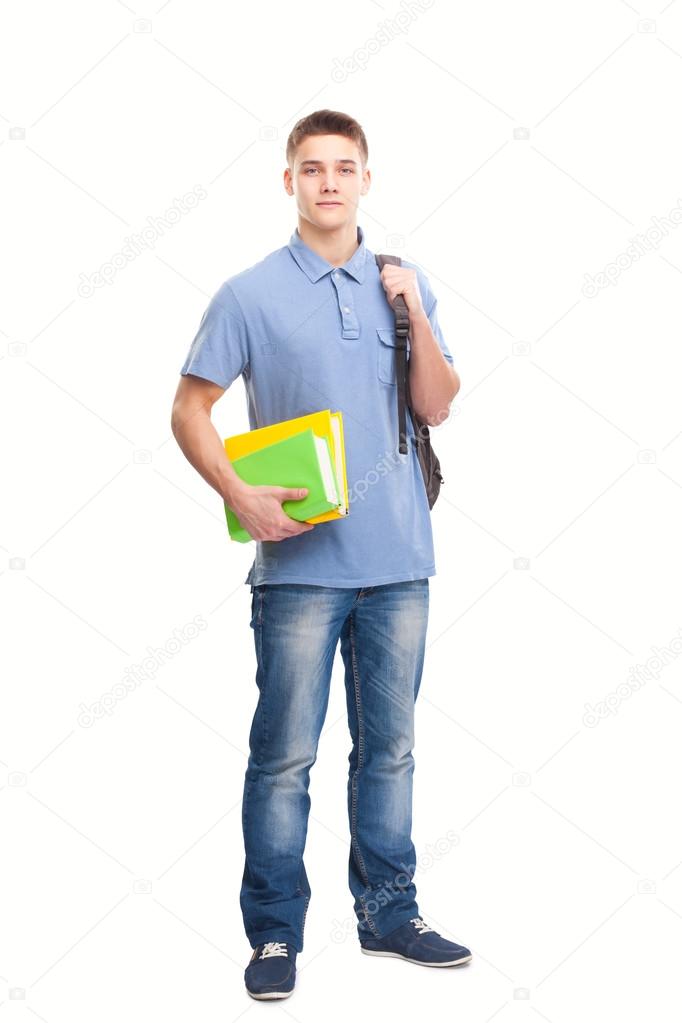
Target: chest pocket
x,y
386,355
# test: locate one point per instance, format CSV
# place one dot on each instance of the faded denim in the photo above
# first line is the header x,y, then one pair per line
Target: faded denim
x,y
382,633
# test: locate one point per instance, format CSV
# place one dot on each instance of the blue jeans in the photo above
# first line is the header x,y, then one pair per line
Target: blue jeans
x,y
382,630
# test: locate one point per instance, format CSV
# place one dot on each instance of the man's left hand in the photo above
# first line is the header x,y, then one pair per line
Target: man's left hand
x,y
400,280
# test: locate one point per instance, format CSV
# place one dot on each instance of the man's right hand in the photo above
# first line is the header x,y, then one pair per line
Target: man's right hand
x,y
259,510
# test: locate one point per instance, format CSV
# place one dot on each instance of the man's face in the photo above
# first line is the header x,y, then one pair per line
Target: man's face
x,y
327,179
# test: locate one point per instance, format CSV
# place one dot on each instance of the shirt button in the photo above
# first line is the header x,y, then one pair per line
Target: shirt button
x,y
346,309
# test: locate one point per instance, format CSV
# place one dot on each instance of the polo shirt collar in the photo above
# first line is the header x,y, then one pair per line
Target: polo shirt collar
x,y
316,267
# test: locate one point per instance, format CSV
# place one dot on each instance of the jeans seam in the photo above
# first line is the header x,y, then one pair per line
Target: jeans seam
x,y
261,647
299,891
305,911
361,748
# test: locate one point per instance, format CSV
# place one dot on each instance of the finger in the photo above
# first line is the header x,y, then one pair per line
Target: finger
x,y
299,528
291,529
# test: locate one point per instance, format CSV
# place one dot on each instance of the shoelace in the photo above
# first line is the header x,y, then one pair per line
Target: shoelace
x,y
273,948
420,925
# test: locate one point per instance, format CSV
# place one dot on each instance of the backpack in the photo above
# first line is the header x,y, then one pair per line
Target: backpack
x,y
428,460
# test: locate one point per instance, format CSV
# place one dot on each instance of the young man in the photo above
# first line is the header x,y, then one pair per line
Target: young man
x,y
311,327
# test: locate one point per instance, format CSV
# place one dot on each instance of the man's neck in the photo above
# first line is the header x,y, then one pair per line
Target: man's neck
x,y
336,247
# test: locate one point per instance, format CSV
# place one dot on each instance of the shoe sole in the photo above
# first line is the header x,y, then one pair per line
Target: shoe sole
x,y
271,994
419,962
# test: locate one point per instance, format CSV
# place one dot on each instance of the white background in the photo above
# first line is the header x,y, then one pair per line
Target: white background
x,y
515,148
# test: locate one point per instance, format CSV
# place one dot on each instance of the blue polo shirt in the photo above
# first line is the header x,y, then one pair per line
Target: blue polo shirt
x,y
305,336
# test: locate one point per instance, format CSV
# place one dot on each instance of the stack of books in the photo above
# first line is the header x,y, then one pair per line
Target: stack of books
x,y
304,452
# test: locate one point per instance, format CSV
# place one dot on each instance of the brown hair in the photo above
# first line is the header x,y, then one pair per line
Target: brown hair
x,y
326,122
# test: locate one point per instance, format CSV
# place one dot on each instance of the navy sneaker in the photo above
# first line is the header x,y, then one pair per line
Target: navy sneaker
x,y
418,943
271,972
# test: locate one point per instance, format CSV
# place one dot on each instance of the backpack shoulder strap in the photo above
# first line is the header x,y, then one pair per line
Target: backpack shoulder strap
x,y
382,259
402,324
402,316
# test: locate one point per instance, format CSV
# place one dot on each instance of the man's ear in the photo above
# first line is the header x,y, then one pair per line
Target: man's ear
x,y
367,181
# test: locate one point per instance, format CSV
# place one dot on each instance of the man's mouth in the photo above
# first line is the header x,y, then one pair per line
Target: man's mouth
x,y
331,203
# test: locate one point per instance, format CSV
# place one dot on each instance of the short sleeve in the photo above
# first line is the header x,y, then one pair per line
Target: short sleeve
x,y
430,303
219,351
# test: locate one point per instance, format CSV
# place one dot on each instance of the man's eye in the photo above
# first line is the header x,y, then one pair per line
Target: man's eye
x,y
313,170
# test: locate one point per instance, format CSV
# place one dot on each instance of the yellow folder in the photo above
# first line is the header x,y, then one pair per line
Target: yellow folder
x,y
324,423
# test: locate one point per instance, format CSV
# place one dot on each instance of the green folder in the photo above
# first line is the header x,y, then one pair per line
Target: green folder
x,y
302,460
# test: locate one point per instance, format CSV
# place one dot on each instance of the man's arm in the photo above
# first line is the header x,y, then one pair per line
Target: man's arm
x,y
198,438
258,508
433,381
